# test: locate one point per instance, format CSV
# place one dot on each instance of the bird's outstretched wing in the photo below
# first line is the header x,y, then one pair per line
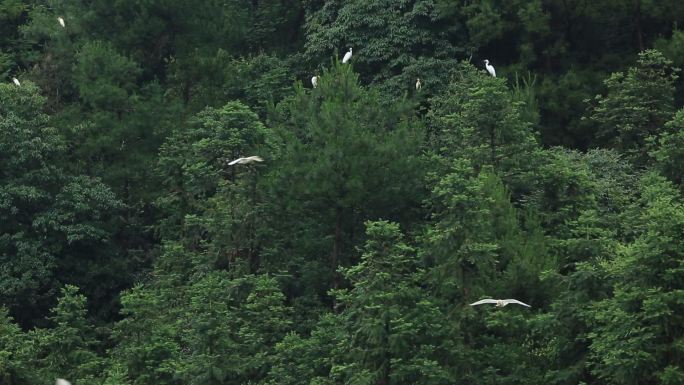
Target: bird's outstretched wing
x,y
516,302
248,159
255,158
483,301
238,160
60,381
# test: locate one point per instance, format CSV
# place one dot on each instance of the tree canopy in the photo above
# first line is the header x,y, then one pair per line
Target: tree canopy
x,y
372,211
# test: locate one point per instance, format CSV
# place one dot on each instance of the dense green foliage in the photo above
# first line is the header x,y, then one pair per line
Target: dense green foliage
x,y
132,253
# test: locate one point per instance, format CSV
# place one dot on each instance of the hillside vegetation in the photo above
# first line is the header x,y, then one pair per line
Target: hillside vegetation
x,y
349,252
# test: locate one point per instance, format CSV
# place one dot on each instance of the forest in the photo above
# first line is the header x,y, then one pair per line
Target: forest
x,y
262,192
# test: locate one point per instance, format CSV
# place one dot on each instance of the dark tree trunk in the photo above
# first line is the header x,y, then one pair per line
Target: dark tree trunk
x,y
254,260
337,246
637,25
386,359
186,92
492,148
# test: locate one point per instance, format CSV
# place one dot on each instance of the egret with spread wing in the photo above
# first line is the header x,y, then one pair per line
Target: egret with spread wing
x,y
499,302
246,160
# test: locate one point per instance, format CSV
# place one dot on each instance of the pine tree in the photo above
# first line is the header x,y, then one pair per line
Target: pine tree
x,y
393,43
478,119
638,330
347,158
15,354
395,334
309,358
668,150
638,103
581,205
194,160
233,329
148,338
68,349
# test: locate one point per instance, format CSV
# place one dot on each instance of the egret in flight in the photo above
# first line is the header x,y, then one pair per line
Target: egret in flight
x,y
347,56
61,22
246,160
418,84
62,382
490,68
499,302
314,81
16,81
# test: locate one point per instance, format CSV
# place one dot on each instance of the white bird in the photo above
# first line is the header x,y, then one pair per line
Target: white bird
x,y
499,302
490,68
62,382
314,81
347,56
418,84
16,81
246,160
61,22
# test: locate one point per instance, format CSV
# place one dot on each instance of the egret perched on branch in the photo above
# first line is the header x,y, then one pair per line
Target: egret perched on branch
x,y
499,302
490,68
246,160
62,382
347,56
314,81
61,22
16,81
418,84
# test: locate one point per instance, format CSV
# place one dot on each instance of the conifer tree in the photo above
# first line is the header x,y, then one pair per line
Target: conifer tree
x,y
15,354
477,118
393,331
668,150
638,104
638,330
68,348
393,43
347,158
148,338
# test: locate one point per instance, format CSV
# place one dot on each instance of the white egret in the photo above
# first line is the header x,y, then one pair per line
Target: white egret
x,y
314,81
246,160
490,68
61,22
499,302
418,84
16,81
347,56
62,382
